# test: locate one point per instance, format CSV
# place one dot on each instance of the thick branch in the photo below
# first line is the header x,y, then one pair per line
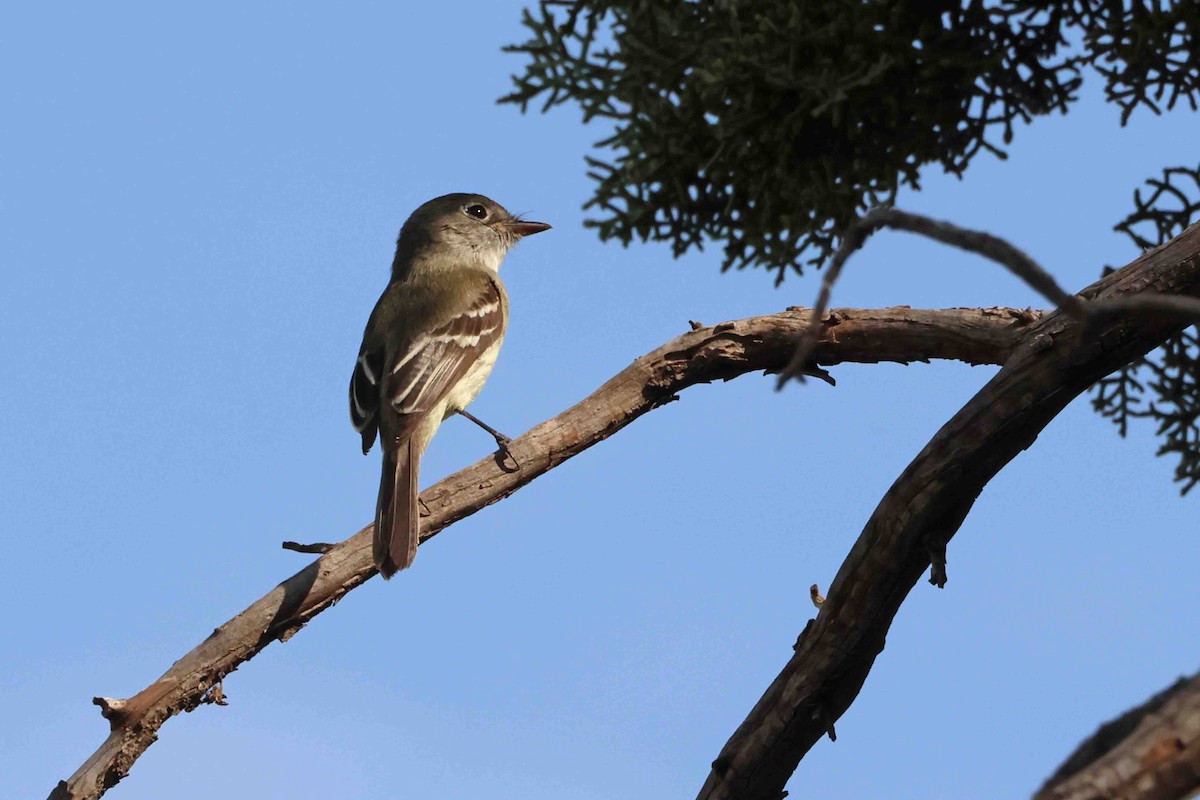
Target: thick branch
x,y
925,507
1151,752
976,336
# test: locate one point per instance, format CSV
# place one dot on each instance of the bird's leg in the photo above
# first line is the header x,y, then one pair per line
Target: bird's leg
x,y
502,441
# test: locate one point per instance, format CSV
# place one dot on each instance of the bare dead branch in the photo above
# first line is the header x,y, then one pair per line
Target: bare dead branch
x,y
1151,752
723,352
925,507
984,244
1168,307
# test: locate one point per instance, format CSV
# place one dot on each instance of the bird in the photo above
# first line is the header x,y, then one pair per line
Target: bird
x,y
429,345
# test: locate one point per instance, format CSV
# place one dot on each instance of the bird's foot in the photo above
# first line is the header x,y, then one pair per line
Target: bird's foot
x,y
504,454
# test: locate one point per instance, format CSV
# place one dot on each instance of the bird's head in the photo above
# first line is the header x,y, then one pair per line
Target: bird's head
x,y
463,226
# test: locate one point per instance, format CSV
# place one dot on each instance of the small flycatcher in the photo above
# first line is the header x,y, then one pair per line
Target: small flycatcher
x,y
430,344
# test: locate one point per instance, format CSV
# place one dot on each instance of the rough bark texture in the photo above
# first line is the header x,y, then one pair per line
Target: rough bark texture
x,y
976,336
923,509
1151,752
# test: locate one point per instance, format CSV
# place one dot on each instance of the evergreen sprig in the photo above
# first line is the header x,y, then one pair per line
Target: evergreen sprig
x,y
1164,386
769,126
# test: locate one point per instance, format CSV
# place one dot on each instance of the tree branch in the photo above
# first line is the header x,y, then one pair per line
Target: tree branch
x,y
1151,752
925,507
976,336
985,244
1183,309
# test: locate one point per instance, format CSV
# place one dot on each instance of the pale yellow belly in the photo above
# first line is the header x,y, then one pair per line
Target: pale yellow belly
x,y
467,388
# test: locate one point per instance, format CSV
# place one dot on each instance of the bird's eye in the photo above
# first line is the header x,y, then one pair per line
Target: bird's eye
x,y
477,211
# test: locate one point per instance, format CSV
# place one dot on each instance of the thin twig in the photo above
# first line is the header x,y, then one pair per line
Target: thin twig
x,y
1167,307
315,547
984,244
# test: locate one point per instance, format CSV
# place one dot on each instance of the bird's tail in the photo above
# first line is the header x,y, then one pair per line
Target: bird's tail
x,y
397,519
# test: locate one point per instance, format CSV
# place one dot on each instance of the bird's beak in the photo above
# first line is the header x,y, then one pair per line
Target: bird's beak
x,y
520,227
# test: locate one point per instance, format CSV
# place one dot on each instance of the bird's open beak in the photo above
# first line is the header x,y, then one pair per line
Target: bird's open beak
x,y
520,227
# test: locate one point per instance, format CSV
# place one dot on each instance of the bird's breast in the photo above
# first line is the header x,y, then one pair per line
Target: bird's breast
x,y
466,389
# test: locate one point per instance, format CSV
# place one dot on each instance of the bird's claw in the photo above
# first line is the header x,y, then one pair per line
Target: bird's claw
x,y
504,453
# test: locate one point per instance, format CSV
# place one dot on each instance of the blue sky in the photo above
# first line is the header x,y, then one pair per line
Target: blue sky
x,y
199,209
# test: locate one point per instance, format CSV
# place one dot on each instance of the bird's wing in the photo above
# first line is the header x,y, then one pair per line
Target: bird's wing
x,y
419,375
364,392
458,323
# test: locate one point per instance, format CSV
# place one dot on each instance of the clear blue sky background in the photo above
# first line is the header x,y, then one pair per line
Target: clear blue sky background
x,y
199,209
